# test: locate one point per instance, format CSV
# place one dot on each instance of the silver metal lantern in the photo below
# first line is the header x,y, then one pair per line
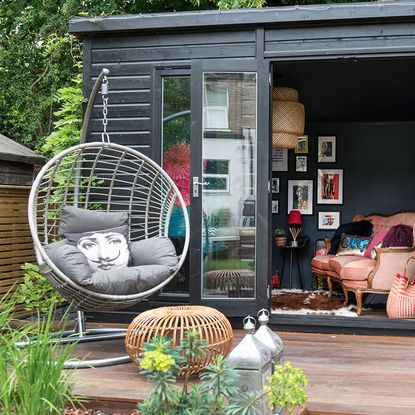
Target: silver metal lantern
x,y
269,338
253,363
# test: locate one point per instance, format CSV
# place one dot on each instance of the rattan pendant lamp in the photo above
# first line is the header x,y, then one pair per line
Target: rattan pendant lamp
x,y
288,118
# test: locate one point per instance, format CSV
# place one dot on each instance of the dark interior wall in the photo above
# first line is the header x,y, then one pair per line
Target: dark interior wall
x,y
379,167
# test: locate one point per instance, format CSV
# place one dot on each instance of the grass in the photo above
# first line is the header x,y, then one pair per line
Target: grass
x,y
212,265
32,379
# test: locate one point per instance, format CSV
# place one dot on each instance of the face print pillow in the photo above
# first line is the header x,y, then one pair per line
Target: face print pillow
x,y
104,250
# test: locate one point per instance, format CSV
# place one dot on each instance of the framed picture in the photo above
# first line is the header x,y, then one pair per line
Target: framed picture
x,y
330,186
301,164
302,145
328,220
300,196
280,160
275,206
275,185
326,149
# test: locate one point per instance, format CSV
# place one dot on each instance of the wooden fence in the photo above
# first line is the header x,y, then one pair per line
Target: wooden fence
x,y
16,246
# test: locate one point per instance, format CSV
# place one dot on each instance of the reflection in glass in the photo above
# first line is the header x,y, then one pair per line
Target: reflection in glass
x,y
176,162
229,174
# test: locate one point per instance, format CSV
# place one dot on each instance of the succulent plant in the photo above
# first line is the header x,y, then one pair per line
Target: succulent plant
x,y
279,232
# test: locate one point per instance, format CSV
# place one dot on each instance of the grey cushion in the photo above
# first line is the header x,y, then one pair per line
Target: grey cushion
x,y
158,250
70,260
127,280
74,219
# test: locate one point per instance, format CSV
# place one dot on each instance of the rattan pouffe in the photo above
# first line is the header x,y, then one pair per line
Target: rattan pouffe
x,y
173,322
230,280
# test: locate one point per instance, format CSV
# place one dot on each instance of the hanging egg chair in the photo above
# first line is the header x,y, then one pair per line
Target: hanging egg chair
x,y
103,180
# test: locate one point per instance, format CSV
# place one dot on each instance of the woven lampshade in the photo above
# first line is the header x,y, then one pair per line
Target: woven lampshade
x,y
174,322
288,118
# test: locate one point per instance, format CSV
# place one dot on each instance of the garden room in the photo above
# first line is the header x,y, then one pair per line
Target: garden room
x,y
352,166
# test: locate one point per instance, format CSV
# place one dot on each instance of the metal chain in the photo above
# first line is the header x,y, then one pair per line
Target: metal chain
x,y
104,91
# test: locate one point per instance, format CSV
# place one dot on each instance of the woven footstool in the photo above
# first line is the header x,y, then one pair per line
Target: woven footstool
x,y
173,322
236,282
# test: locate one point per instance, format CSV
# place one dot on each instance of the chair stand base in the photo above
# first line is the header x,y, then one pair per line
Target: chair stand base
x,y
82,335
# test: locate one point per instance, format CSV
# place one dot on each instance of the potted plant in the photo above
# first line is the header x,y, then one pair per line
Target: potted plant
x,y
280,237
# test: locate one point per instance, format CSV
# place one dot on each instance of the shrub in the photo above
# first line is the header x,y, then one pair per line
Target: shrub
x,y
217,391
35,292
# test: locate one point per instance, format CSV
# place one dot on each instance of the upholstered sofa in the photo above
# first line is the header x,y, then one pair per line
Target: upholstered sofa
x,y
364,275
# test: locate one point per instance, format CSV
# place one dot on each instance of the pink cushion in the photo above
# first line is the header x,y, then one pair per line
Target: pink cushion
x,y
352,267
321,262
354,284
377,238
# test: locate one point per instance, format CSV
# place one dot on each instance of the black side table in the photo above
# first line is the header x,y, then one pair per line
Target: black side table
x,y
293,250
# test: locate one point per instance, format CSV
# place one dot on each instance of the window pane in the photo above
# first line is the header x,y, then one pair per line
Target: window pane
x,y
176,161
228,233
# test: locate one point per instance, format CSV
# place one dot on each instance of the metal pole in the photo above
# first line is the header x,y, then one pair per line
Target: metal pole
x,y
81,323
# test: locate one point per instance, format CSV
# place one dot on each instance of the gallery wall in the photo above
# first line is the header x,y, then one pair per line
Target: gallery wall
x,y
378,162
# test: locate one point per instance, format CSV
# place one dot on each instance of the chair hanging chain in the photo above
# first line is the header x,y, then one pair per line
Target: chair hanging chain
x,y
104,91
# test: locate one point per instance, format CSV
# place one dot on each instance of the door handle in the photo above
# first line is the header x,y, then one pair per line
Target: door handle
x,y
196,185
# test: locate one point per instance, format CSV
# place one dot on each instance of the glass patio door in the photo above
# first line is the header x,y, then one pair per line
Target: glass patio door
x,y
224,249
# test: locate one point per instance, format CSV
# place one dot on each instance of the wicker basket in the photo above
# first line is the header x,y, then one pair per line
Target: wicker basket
x,y
174,322
283,93
287,118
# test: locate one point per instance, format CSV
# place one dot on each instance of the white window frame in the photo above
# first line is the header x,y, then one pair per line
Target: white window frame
x,y
211,108
208,176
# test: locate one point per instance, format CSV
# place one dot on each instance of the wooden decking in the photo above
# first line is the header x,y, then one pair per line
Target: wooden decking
x,y
347,374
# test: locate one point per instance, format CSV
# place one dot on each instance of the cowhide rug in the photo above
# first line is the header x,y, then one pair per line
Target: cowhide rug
x,y
310,302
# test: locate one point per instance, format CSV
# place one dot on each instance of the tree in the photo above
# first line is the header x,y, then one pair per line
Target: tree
x,y
38,56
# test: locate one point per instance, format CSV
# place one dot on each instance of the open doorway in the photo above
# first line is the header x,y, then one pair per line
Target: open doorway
x,y
355,158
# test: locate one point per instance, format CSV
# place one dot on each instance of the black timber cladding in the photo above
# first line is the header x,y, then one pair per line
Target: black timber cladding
x,y
132,60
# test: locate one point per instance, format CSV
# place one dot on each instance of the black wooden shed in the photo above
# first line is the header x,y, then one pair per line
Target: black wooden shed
x,y
193,90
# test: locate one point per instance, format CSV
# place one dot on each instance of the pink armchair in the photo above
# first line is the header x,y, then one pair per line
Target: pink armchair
x,y
363,275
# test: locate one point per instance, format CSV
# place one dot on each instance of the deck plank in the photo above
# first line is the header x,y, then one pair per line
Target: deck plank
x,y
359,375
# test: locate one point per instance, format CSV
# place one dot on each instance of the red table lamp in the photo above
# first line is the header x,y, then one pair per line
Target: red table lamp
x,y
294,222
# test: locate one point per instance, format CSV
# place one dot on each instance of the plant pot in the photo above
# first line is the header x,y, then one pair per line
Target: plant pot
x,y
280,241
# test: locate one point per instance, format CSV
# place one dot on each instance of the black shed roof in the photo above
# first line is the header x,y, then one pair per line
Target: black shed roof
x,y
12,151
289,15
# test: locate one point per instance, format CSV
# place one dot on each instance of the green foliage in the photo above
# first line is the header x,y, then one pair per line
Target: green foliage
x,y
287,387
240,4
214,264
279,232
32,379
220,218
217,391
68,121
35,292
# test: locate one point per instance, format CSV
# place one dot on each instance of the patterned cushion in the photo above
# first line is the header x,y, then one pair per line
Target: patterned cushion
x,y
104,249
353,245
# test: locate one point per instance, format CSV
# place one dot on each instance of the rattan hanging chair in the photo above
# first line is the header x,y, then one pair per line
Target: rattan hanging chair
x,y
107,177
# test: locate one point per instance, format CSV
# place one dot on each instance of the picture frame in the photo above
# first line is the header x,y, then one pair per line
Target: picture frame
x,y
300,196
301,164
302,145
280,159
328,220
330,186
275,185
326,149
275,206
